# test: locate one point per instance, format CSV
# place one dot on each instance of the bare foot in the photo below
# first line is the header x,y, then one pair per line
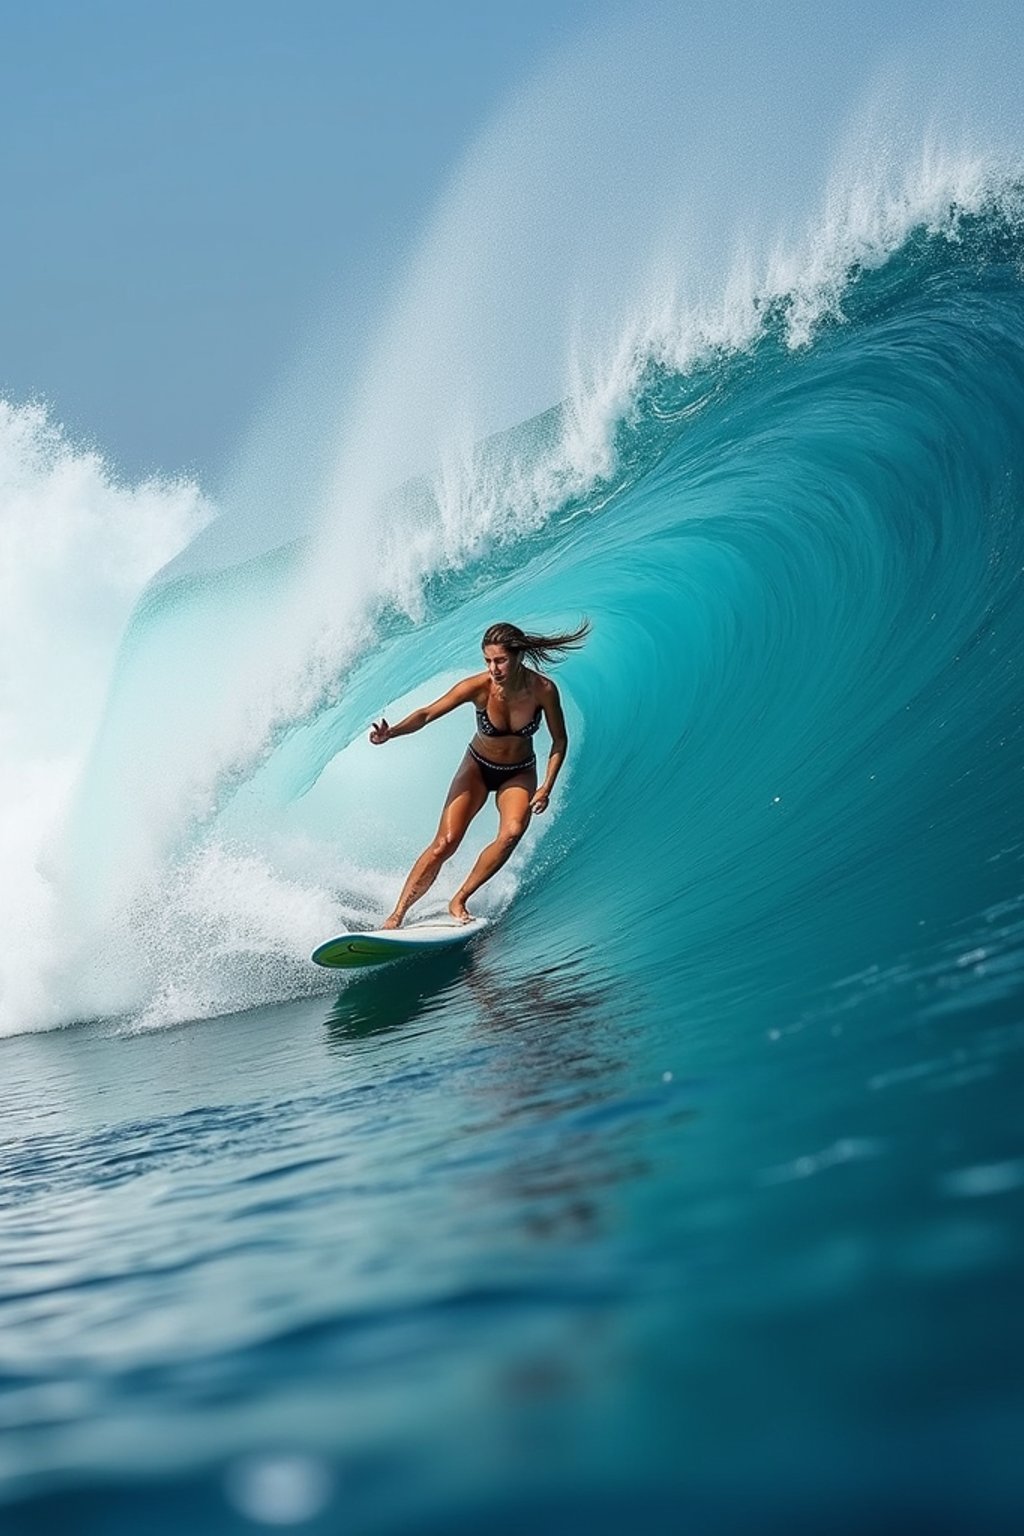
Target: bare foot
x,y
457,908
394,921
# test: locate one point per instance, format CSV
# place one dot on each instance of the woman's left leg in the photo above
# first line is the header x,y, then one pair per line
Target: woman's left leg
x,y
514,813
467,795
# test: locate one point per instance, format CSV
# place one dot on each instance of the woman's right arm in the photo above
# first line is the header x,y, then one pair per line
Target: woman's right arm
x,y
462,693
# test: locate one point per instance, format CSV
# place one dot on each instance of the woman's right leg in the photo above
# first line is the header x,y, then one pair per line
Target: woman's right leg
x,y
466,796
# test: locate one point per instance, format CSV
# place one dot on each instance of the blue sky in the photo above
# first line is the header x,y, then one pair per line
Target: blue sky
x,y
199,196
187,186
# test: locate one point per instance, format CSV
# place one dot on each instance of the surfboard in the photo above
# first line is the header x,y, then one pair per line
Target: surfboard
x,y
350,950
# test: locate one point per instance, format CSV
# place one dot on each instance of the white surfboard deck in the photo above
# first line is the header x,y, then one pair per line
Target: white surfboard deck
x,y
350,950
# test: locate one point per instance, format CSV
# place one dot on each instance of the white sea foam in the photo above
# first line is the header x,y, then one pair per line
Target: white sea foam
x,y
76,548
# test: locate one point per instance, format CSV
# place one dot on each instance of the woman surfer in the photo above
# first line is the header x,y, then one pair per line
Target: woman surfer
x,y
509,698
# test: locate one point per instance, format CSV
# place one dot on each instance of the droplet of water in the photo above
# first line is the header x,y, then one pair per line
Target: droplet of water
x,y
279,1489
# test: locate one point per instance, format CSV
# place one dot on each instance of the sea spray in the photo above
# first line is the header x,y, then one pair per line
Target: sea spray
x,y
77,549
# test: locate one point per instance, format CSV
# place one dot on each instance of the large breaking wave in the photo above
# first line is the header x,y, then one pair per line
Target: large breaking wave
x,y
789,500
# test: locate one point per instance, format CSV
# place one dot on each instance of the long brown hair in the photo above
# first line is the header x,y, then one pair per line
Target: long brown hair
x,y
543,650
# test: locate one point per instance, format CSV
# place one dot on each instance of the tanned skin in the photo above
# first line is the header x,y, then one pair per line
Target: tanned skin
x,y
511,693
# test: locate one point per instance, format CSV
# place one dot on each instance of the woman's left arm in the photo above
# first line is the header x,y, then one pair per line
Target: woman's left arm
x,y
555,720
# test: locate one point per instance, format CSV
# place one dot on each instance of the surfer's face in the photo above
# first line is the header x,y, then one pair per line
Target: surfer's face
x,y
501,663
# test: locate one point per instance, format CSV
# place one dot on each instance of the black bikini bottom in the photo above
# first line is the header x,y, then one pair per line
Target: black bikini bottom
x,y
497,774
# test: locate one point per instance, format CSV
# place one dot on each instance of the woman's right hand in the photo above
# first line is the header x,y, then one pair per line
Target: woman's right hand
x,y
381,732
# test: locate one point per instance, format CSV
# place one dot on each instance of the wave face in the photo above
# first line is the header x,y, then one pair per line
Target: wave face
x,y
751,1018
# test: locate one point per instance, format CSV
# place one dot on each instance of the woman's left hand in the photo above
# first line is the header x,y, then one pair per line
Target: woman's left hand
x,y
539,803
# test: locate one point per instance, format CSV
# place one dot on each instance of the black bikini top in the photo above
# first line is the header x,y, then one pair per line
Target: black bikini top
x,y
486,726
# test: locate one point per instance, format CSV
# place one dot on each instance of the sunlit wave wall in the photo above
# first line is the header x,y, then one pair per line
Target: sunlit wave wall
x,y
784,483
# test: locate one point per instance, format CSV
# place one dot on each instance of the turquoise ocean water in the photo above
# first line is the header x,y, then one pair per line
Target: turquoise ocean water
x,y
689,1198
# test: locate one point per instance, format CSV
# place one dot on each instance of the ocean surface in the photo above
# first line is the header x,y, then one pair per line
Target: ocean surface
x,y
688,1197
